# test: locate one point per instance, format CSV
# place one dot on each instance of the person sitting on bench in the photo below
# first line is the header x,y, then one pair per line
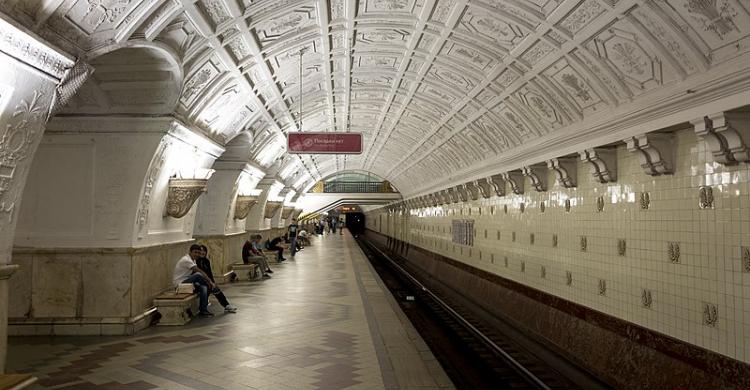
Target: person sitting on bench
x,y
251,254
204,264
187,271
275,245
303,238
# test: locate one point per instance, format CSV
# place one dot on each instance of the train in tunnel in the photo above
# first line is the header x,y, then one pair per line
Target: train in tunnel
x,y
355,222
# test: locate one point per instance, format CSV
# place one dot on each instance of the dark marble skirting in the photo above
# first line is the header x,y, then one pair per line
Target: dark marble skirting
x,y
621,353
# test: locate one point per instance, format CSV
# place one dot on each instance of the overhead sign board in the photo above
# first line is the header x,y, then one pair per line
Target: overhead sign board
x,y
324,143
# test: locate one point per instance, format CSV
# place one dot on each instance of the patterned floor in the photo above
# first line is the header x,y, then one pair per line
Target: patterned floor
x,y
323,321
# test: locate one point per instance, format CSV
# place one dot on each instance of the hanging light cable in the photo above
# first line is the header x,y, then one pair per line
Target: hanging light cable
x,y
300,91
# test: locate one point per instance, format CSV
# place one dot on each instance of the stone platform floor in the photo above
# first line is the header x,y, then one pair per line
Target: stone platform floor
x,y
324,321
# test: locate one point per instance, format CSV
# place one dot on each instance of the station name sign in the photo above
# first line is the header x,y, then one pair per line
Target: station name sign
x,y
324,143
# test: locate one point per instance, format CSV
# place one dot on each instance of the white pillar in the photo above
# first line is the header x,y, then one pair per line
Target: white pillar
x,y
32,71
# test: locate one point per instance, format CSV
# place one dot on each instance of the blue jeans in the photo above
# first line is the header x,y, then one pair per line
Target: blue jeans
x,y
293,244
201,288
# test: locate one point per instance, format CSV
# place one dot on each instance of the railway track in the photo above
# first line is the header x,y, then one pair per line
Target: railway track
x,y
474,354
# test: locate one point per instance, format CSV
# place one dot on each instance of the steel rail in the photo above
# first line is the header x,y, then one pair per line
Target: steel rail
x,y
518,367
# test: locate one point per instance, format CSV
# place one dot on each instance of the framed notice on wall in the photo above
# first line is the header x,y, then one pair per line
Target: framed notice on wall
x,y
324,143
463,231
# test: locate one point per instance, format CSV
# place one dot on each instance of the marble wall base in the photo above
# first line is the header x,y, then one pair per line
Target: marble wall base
x,y
223,252
6,271
88,291
623,354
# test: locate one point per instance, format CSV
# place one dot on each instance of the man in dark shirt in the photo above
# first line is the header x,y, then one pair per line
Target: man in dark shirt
x,y
205,265
252,255
274,245
292,232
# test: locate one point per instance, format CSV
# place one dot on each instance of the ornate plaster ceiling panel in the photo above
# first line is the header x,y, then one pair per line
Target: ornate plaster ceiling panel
x,y
435,85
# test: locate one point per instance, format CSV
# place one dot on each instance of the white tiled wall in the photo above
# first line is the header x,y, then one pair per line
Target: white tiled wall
x,y
710,272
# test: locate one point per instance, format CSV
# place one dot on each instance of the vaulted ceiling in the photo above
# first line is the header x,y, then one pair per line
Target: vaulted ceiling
x,y
435,86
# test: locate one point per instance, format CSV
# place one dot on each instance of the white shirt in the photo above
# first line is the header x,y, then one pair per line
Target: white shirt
x,y
182,270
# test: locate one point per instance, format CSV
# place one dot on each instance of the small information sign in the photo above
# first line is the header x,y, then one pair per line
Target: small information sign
x,y
324,143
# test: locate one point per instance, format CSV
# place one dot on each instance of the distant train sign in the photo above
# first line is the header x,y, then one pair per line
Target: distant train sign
x,y
324,143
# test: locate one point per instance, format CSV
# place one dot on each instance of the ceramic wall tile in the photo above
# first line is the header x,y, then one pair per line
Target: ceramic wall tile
x,y
665,246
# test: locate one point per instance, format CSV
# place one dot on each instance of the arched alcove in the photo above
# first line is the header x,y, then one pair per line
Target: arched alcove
x,y
137,79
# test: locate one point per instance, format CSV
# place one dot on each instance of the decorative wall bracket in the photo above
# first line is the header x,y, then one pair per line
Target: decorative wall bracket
x,y
472,189
537,175
515,179
463,195
182,195
484,188
286,212
272,208
296,213
655,152
433,199
243,205
726,135
453,195
565,170
444,197
603,163
497,182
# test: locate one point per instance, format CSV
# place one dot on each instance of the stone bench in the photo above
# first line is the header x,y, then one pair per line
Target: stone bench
x,y
176,308
251,271
270,255
16,381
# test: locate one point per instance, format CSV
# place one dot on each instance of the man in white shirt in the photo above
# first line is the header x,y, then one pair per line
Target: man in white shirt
x,y
186,271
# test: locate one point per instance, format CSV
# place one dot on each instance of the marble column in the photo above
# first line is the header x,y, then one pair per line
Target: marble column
x,y
36,78
270,186
216,225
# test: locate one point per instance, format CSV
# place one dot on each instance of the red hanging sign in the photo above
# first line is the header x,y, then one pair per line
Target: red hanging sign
x,y
324,143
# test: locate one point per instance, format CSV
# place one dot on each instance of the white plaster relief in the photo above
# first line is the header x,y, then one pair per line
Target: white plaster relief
x,y
603,164
727,136
655,152
565,170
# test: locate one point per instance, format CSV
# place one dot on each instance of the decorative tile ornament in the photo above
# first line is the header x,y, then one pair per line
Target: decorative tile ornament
x,y
568,278
513,237
505,261
745,252
543,272
646,299
523,266
567,205
673,250
706,197
542,207
599,204
710,314
531,238
584,243
645,200
621,246
554,240
505,209
602,287
522,207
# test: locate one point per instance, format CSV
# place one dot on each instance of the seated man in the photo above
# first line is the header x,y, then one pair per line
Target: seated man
x,y
204,264
187,271
275,245
303,237
251,254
